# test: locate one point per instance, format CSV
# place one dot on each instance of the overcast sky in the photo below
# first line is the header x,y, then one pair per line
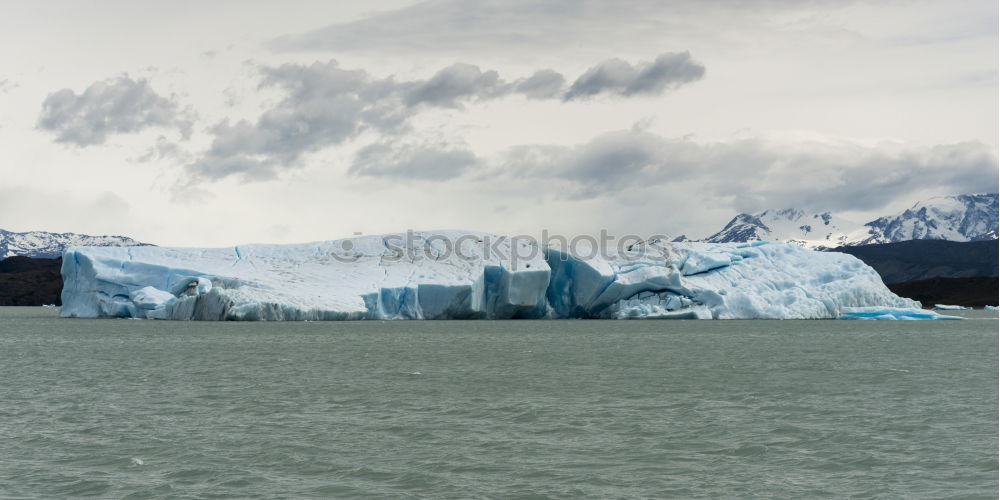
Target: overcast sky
x,y
216,123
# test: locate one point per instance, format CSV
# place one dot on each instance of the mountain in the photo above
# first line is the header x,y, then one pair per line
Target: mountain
x,y
42,244
923,259
967,217
25,281
822,230
969,292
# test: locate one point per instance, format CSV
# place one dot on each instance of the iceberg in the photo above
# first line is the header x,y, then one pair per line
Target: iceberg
x,y
891,313
470,275
989,308
946,307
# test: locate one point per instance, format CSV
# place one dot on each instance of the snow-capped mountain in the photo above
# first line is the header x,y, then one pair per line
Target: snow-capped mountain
x,y
967,217
822,230
42,244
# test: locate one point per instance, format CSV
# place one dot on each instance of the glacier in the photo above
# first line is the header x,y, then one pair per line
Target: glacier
x,y
470,275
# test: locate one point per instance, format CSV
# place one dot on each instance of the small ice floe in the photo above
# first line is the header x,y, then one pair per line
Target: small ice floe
x,y
890,313
989,308
48,305
946,307
136,461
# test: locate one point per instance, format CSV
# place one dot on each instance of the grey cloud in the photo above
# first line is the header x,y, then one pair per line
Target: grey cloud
x,y
668,70
425,162
457,81
117,106
611,162
544,84
164,149
754,174
326,105
453,26
870,178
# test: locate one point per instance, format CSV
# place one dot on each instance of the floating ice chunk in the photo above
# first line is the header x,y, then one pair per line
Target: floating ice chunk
x,y
989,308
891,313
645,310
946,307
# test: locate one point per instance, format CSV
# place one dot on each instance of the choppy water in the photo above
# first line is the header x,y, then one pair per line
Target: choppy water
x,y
506,409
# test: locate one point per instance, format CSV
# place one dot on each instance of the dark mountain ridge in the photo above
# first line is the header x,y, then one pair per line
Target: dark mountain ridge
x,y
26,281
969,292
923,259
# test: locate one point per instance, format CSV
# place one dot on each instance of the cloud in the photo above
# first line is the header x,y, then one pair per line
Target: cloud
x,y
755,173
615,76
481,26
544,84
607,164
164,149
458,81
424,162
326,105
115,106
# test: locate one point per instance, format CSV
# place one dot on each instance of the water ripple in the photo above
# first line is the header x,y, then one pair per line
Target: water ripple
x,y
528,409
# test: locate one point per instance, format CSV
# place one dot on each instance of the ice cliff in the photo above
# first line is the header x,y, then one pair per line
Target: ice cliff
x,y
461,274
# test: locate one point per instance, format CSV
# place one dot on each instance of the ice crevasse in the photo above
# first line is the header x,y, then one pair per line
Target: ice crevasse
x,y
471,275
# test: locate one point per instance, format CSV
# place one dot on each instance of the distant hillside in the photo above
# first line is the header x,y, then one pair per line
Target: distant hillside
x,y
969,292
922,259
46,245
25,281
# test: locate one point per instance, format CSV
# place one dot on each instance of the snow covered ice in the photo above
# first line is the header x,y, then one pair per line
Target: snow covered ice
x,y
891,313
468,275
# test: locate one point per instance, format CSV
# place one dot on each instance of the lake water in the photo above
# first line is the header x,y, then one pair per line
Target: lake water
x,y
497,409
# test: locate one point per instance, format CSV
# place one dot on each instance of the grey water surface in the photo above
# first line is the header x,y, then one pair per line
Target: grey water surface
x,y
497,409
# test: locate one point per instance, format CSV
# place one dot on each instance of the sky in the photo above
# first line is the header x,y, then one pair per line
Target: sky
x,y
217,123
